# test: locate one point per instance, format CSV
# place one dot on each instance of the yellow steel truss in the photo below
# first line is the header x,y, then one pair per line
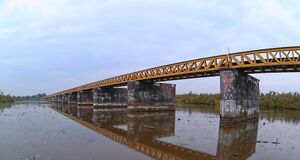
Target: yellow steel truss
x,y
260,60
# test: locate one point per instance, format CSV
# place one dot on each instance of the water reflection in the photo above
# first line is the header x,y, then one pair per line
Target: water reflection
x,y
289,116
150,125
109,117
237,141
85,113
188,133
144,131
3,107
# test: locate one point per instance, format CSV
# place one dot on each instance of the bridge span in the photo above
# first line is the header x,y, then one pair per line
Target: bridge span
x,y
239,90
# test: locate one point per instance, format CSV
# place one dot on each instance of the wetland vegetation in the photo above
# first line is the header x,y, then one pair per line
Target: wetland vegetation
x,y
268,101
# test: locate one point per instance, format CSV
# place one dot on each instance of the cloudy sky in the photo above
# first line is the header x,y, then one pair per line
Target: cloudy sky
x,y
50,45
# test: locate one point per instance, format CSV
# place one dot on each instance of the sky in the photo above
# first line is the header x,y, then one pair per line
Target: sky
x,y
51,45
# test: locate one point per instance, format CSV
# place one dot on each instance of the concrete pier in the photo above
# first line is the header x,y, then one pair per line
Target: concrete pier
x,y
85,97
147,96
239,95
59,98
65,98
109,97
72,98
53,99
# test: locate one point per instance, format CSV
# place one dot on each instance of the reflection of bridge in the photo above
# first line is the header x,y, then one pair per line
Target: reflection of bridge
x,y
239,91
143,129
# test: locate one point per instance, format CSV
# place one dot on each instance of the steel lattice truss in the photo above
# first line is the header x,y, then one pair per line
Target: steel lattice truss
x,y
284,59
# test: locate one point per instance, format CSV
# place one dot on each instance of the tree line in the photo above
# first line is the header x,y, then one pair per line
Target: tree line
x,y
10,99
6,99
272,100
37,97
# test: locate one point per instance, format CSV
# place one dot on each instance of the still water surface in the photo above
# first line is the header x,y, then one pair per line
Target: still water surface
x,y
69,132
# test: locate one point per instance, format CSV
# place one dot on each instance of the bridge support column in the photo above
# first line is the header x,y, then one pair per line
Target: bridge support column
x,y
65,98
239,95
72,98
53,99
147,96
109,97
59,98
85,97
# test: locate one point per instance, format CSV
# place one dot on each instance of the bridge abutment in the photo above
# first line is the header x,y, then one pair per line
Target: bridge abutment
x,y
110,97
148,96
239,95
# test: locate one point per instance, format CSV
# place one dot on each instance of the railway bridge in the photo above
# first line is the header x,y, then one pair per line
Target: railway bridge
x,y
144,92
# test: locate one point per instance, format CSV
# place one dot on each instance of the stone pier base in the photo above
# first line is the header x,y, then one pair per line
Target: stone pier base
x,y
59,98
53,99
239,96
146,96
109,97
65,98
72,98
85,97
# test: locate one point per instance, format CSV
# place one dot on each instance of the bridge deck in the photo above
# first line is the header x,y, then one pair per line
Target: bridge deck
x,y
284,59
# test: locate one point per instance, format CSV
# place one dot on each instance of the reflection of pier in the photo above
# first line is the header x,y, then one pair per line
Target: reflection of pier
x,y
141,126
85,113
140,130
109,117
237,141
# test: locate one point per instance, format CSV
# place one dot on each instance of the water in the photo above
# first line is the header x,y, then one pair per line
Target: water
x,y
63,132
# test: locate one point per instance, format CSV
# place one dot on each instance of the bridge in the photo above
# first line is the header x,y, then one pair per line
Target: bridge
x,y
239,90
